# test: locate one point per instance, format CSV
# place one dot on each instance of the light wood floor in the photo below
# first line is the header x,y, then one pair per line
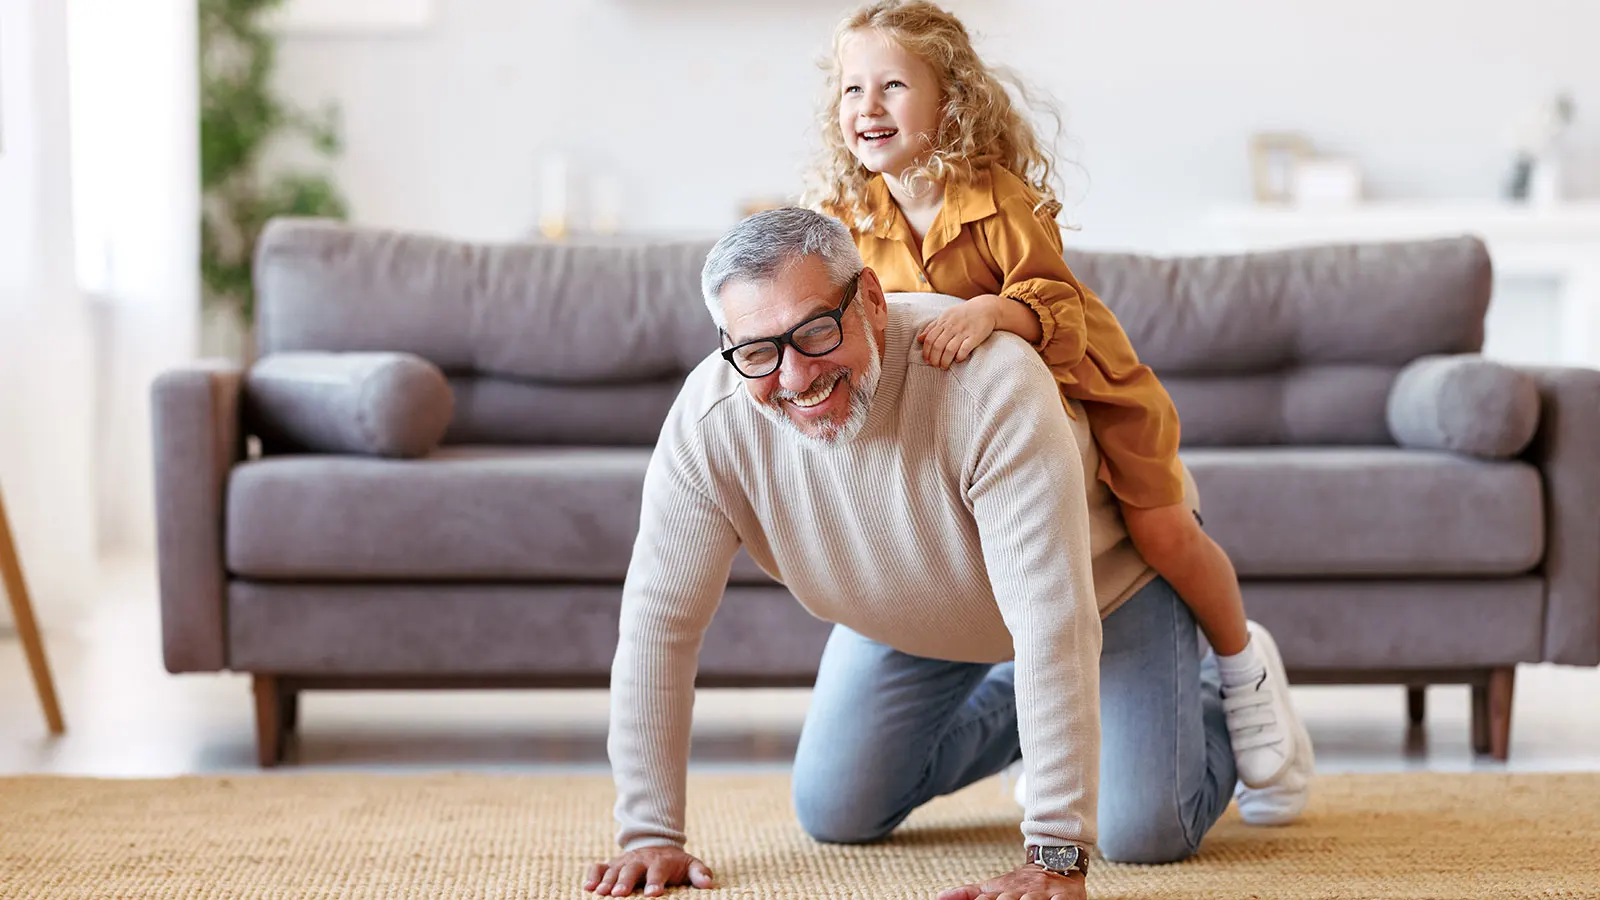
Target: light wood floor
x,y
127,717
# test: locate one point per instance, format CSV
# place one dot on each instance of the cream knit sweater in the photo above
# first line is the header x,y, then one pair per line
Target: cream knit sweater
x,y
962,523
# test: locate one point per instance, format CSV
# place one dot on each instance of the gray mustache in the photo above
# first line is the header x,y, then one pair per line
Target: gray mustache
x,y
821,381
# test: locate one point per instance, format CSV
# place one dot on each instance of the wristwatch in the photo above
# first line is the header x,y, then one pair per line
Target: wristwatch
x,y
1060,860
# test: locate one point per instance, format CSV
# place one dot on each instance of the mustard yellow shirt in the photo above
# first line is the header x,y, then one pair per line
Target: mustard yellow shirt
x,y
988,239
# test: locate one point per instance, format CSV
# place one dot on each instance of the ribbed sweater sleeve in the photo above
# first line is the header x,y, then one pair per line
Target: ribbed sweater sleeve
x,y
1027,491
681,558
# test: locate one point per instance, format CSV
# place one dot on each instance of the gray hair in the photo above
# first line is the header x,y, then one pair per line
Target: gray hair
x,y
760,246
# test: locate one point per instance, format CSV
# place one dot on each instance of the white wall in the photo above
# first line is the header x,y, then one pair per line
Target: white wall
x,y
99,154
698,104
135,162
45,388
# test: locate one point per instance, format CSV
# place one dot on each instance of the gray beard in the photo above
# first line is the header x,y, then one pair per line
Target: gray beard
x,y
860,407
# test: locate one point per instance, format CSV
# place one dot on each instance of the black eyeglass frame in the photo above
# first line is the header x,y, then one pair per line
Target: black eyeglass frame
x,y
787,338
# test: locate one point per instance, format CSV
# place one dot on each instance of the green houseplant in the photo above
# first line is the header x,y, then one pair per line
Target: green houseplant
x,y
240,119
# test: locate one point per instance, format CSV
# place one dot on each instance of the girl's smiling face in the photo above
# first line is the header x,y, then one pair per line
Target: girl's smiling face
x,y
889,104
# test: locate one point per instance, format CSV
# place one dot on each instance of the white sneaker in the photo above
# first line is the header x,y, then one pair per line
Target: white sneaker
x,y
1282,801
1261,721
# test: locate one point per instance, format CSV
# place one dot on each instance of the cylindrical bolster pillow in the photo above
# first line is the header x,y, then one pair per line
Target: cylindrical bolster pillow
x,y
1464,404
378,404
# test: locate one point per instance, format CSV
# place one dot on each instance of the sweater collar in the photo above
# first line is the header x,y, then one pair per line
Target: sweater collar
x,y
898,334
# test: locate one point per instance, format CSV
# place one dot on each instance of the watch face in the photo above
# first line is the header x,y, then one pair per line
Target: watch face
x,y
1058,858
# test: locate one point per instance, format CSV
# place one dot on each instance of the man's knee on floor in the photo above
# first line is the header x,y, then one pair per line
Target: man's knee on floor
x,y
830,818
1146,843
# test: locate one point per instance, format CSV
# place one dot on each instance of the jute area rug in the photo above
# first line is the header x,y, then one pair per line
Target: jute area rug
x,y
349,836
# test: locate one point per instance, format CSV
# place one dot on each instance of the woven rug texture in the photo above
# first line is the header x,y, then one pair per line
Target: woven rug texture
x,y
386,837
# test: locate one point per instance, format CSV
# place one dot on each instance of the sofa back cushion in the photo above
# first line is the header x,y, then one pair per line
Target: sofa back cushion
x,y
544,343
554,313
492,410
1296,346
587,343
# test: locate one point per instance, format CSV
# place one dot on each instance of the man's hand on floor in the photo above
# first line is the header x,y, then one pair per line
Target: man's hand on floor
x,y
653,869
1027,883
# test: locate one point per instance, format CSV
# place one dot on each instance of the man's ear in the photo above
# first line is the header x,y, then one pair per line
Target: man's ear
x,y
870,290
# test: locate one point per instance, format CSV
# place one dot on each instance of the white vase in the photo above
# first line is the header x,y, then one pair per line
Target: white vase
x,y
1545,187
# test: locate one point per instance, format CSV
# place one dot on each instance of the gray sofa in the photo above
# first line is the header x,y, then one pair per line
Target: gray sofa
x,y
1399,510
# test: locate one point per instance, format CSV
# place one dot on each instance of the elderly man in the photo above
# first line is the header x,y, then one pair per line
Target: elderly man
x,y
943,520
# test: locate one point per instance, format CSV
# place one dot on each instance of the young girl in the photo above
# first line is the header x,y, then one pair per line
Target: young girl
x,y
946,189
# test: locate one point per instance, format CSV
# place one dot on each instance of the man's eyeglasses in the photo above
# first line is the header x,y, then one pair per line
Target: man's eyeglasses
x,y
816,336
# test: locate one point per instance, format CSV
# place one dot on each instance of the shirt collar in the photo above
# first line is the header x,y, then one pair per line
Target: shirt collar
x,y
965,200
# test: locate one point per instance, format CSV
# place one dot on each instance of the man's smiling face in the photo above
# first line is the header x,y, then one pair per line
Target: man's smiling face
x,y
824,398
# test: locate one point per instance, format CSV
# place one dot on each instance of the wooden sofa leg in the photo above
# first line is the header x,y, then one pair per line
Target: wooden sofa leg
x,y
1480,717
1491,713
269,720
1416,703
1502,683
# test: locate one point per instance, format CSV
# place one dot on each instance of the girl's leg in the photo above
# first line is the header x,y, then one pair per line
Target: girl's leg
x,y
1171,541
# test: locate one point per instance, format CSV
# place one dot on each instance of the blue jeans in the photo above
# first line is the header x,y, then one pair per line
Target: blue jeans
x,y
887,732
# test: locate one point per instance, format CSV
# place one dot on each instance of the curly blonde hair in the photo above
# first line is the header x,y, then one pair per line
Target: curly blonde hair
x,y
980,125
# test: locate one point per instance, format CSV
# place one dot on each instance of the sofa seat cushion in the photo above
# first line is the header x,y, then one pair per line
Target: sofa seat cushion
x,y
547,634
1369,511
483,513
